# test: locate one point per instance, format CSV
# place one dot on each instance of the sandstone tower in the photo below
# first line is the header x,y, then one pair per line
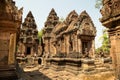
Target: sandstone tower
x,y
50,24
28,41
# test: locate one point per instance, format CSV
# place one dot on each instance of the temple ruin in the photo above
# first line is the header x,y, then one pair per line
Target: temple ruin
x,y
67,45
111,20
28,41
10,21
73,36
70,45
28,48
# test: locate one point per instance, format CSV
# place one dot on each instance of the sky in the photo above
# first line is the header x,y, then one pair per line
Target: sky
x,y
41,8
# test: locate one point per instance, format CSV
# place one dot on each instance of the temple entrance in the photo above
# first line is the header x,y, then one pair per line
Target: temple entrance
x,y
86,45
28,51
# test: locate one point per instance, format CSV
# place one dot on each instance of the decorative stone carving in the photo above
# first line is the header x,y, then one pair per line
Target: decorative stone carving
x,y
110,19
52,19
28,43
66,40
71,17
48,37
106,10
9,29
110,9
86,25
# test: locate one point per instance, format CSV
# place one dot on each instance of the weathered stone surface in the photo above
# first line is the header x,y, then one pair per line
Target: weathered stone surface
x,y
10,21
66,42
28,40
48,36
110,19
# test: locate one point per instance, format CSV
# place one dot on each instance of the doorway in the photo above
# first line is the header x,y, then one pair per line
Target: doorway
x,y
84,46
28,50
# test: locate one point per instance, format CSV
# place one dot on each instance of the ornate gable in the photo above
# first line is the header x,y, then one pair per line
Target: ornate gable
x,y
52,19
29,30
72,16
86,26
29,21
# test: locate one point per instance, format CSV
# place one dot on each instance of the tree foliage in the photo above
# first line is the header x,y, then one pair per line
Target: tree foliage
x,y
40,34
98,4
61,19
105,43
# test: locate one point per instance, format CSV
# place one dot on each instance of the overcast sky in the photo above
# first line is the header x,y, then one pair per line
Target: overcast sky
x,y
41,9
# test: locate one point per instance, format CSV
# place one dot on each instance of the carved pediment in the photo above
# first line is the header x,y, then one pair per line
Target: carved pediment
x,y
110,9
87,29
72,16
86,26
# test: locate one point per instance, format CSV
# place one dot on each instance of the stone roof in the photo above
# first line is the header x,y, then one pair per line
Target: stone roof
x,y
52,18
29,32
59,27
86,26
30,14
71,27
71,16
84,15
29,21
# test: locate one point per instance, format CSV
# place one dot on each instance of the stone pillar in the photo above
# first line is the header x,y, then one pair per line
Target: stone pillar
x,y
23,49
73,42
12,49
79,45
59,47
67,44
117,54
46,46
112,50
111,20
93,48
53,49
63,46
76,43
50,47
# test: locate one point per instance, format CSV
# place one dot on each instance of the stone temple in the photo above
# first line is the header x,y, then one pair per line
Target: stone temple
x,y
10,21
28,40
70,44
67,45
71,37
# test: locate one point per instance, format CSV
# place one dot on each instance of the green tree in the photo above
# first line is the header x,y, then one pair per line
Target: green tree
x,y
61,19
105,43
98,4
40,34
